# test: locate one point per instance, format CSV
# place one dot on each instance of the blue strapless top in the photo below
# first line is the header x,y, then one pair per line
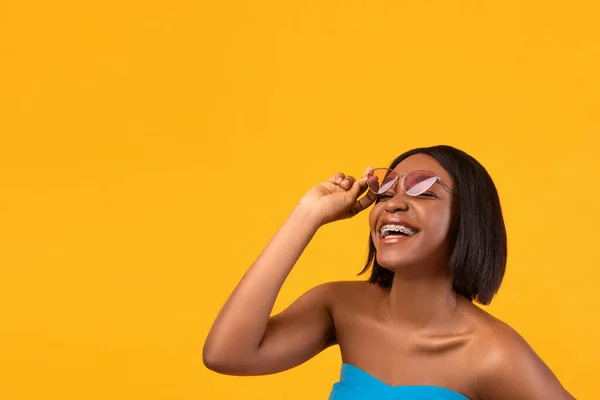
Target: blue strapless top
x,y
356,384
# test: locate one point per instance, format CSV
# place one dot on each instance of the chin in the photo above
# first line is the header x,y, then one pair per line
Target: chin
x,y
397,263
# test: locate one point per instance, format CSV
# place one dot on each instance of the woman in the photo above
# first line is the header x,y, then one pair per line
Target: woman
x,y
437,243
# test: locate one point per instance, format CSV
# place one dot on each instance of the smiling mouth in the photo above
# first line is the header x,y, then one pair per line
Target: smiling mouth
x,y
396,231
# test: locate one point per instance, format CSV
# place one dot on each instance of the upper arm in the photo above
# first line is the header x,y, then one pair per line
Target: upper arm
x,y
512,371
298,333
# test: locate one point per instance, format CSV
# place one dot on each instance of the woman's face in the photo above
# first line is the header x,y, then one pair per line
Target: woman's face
x,y
431,215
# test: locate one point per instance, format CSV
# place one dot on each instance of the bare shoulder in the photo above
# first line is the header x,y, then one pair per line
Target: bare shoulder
x,y
508,368
348,298
351,287
350,293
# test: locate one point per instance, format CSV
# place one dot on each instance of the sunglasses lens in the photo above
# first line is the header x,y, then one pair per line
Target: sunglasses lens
x,y
380,180
418,182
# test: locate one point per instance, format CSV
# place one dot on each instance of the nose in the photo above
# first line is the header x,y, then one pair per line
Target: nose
x,y
397,203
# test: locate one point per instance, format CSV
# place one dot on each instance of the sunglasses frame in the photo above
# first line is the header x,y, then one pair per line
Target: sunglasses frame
x,y
395,181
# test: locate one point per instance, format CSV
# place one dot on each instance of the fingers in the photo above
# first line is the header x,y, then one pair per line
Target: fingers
x,y
342,180
348,182
369,198
337,178
365,201
355,188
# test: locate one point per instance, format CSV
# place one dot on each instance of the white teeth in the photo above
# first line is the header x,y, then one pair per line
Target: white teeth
x,y
387,229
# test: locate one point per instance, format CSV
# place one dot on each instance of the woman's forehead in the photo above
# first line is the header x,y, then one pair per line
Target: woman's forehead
x,y
423,161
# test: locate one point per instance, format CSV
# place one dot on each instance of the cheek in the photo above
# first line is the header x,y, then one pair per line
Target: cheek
x,y
374,215
439,224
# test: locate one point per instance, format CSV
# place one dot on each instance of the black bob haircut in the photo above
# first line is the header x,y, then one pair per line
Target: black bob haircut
x,y
478,256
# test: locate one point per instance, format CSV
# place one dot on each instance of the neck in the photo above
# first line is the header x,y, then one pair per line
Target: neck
x,y
421,301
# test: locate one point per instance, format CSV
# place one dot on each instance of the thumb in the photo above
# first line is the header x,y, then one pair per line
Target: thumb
x,y
357,189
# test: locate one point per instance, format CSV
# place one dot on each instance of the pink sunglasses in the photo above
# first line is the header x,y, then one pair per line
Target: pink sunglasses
x,y
380,180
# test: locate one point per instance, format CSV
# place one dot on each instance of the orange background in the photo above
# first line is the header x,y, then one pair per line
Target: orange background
x,y
150,150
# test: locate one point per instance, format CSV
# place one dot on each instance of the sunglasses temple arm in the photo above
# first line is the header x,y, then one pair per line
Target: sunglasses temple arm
x,y
446,186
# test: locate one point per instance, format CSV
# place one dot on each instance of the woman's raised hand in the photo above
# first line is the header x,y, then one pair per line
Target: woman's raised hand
x,y
337,198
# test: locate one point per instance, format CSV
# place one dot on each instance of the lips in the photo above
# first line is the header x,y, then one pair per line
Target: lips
x,y
395,238
396,221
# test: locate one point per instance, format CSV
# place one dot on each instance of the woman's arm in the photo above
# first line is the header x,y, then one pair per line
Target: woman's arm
x,y
244,339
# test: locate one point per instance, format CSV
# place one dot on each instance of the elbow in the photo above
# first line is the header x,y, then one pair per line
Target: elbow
x,y
213,361
222,362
